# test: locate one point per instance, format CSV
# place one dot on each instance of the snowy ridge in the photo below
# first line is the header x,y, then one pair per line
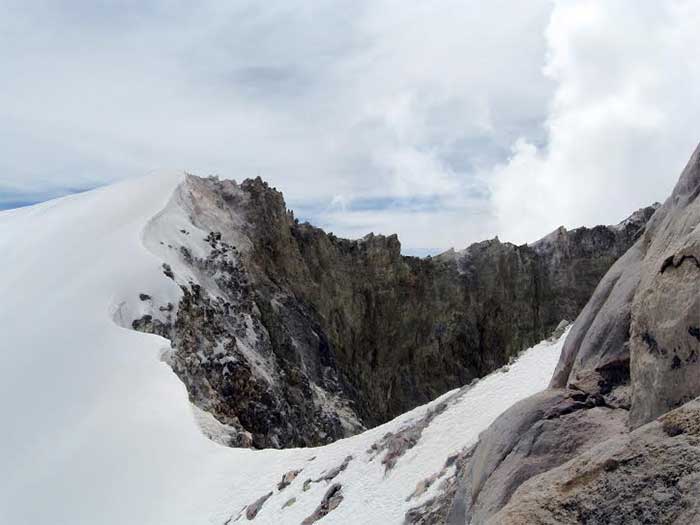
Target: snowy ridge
x,y
101,430
374,495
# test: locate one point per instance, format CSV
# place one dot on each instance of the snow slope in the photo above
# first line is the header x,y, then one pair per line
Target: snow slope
x,y
99,430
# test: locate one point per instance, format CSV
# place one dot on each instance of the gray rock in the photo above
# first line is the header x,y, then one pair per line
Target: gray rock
x,y
639,331
533,436
559,330
331,499
150,325
649,476
287,479
333,473
396,444
665,335
438,508
597,347
253,509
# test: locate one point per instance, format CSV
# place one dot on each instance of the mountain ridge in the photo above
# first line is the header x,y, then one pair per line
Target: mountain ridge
x,y
294,337
118,421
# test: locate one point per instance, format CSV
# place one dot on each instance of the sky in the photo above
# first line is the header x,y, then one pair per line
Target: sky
x,y
446,122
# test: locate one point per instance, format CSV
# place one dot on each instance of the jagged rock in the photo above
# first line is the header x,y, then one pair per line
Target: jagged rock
x,y
168,271
297,337
329,475
422,486
455,459
331,499
559,330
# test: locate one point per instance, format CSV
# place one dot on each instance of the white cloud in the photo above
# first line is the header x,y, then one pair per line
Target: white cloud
x,y
622,123
454,120
348,100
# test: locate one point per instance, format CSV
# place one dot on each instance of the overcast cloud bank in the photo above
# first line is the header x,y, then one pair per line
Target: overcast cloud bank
x,y
445,122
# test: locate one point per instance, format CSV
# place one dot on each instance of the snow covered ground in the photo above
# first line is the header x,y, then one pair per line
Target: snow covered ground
x,y
97,429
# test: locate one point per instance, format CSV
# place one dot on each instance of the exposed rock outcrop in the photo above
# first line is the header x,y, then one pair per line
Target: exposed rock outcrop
x,y
253,509
438,508
634,340
532,437
287,479
396,444
650,477
290,336
630,358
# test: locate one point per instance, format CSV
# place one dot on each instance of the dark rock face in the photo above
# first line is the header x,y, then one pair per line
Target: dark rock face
x,y
295,337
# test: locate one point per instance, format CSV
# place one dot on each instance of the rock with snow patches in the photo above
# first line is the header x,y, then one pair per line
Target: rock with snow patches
x,y
287,479
290,336
124,425
331,499
255,507
267,358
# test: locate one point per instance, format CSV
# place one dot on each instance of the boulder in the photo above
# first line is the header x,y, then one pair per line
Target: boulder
x,y
650,476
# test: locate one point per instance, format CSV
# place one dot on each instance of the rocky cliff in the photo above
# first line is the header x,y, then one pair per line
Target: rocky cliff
x,y
291,336
616,438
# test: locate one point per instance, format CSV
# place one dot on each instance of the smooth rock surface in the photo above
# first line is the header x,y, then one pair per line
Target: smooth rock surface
x,y
648,477
533,436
